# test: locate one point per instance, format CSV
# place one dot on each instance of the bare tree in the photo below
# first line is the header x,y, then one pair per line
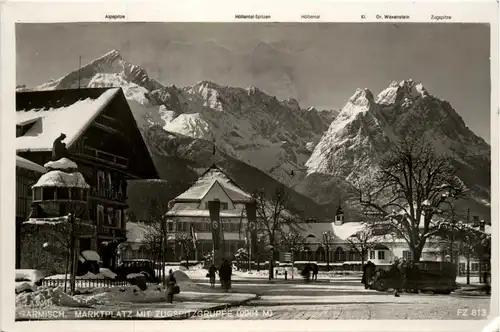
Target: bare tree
x,y
186,243
412,189
362,242
157,234
272,217
294,242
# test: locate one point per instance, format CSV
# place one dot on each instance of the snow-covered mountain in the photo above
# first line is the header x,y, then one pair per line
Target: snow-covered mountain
x,y
366,125
274,136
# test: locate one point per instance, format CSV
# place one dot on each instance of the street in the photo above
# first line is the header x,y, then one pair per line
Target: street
x,y
347,299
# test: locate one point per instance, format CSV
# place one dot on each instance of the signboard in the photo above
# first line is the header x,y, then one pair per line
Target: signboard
x,y
288,257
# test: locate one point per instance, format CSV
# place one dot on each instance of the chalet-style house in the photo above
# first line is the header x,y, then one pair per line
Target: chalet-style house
x,y
191,208
101,136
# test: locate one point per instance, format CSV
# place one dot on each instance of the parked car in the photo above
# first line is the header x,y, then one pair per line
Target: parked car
x,y
438,277
133,266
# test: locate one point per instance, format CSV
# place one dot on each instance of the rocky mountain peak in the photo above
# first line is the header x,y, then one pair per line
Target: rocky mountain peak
x,y
362,97
404,92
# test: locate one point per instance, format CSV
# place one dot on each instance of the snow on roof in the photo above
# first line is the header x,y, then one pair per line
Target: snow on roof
x,y
341,232
90,255
136,232
214,174
61,179
63,163
46,221
27,164
72,120
183,212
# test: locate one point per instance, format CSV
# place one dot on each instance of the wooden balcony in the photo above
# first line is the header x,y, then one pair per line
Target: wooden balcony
x,y
110,230
110,195
104,157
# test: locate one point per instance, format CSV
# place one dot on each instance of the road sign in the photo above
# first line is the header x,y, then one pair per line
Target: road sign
x,y
288,256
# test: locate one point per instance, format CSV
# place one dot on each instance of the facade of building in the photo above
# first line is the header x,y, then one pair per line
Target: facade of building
x,y
27,173
190,209
102,137
385,248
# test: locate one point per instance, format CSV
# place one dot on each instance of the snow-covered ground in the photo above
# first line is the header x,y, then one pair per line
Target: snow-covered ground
x,y
27,278
194,272
44,297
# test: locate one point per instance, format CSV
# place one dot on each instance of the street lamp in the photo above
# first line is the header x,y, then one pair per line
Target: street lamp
x,y
60,198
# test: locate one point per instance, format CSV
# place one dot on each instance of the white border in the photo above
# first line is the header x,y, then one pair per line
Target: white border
x,y
222,11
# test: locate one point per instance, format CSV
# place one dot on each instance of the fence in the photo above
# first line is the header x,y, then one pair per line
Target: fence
x,y
89,283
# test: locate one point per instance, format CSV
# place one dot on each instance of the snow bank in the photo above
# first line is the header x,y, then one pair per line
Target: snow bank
x,y
23,286
91,255
61,179
29,275
45,297
88,275
107,273
118,295
61,164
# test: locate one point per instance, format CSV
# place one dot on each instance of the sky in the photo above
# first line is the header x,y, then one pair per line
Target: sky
x,y
319,65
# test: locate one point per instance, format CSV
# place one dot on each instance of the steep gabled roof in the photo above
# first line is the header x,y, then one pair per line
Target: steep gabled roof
x,y
44,115
205,182
58,111
27,164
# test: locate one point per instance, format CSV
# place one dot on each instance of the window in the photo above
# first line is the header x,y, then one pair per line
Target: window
x,y
223,205
118,218
339,255
100,214
381,254
474,267
100,180
407,255
110,216
372,254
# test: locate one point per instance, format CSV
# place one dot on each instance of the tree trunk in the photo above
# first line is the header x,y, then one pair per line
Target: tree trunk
x,y
417,250
271,265
468,269
328,258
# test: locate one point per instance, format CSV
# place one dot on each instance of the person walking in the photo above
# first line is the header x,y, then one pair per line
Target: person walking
x,y
395,274
368,274
315,270
225,272
211,275
306,273
171,283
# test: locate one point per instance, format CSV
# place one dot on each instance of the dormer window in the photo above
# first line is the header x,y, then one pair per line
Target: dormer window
x,y
339,216
23,127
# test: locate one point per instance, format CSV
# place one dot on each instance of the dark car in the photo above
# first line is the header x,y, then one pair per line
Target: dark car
x,y
144,266
438,277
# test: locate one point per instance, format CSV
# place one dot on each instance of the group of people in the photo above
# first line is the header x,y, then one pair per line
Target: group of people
x,y
225,272
309,269
400,273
